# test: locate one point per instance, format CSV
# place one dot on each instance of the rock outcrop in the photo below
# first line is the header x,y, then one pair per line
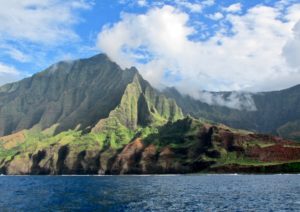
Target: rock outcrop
x,y
78,94
275,112
91,117
185,146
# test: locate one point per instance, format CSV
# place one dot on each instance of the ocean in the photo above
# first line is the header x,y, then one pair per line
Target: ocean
x,y
151,193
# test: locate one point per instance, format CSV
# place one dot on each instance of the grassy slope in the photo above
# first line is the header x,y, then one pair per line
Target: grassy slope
x,y
290,130
188,138
277,112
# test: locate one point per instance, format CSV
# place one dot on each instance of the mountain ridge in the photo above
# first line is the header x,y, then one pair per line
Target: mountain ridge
x,y
91,117
66,98
275,112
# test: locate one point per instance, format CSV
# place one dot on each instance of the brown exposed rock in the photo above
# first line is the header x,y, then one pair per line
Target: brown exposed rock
x,y
128,160
19,165
204,151
148,161
277,152
13,140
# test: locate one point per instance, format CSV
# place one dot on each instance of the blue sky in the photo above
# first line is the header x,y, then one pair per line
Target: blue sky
x,y
193,45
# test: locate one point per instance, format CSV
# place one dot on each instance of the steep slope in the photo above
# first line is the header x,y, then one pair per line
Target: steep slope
x,y
140,106
67,95
290,130
276,112
92,101
77,94
185,146
91,117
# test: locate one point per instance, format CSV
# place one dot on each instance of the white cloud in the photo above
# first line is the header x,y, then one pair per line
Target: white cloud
x,y
248,58
44,22
30,28
18,55
9,74
4,69
234,8
193,7
216,16
160,31
142,3
260,52
208,2
14,53
236,100
291,50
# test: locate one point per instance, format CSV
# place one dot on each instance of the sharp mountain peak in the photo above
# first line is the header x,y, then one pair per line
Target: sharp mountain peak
x,y
77,94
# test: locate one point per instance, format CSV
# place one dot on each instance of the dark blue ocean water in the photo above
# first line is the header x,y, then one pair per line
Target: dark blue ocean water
x,y
151,193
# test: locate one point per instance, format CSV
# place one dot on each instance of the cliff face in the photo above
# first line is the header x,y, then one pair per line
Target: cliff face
x,y
77,95
185,146
276,112
140,106
68,95
69,113
91,117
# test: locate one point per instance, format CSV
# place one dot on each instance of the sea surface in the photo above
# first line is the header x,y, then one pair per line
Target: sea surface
x,y
151,193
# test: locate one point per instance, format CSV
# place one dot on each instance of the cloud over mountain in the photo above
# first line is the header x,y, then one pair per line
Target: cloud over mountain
x,y
29,28
252,50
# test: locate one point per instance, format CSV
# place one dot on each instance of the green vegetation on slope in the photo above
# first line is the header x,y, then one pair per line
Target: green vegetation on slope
x,y
290,130
140,106
186,145
277,113
68,95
